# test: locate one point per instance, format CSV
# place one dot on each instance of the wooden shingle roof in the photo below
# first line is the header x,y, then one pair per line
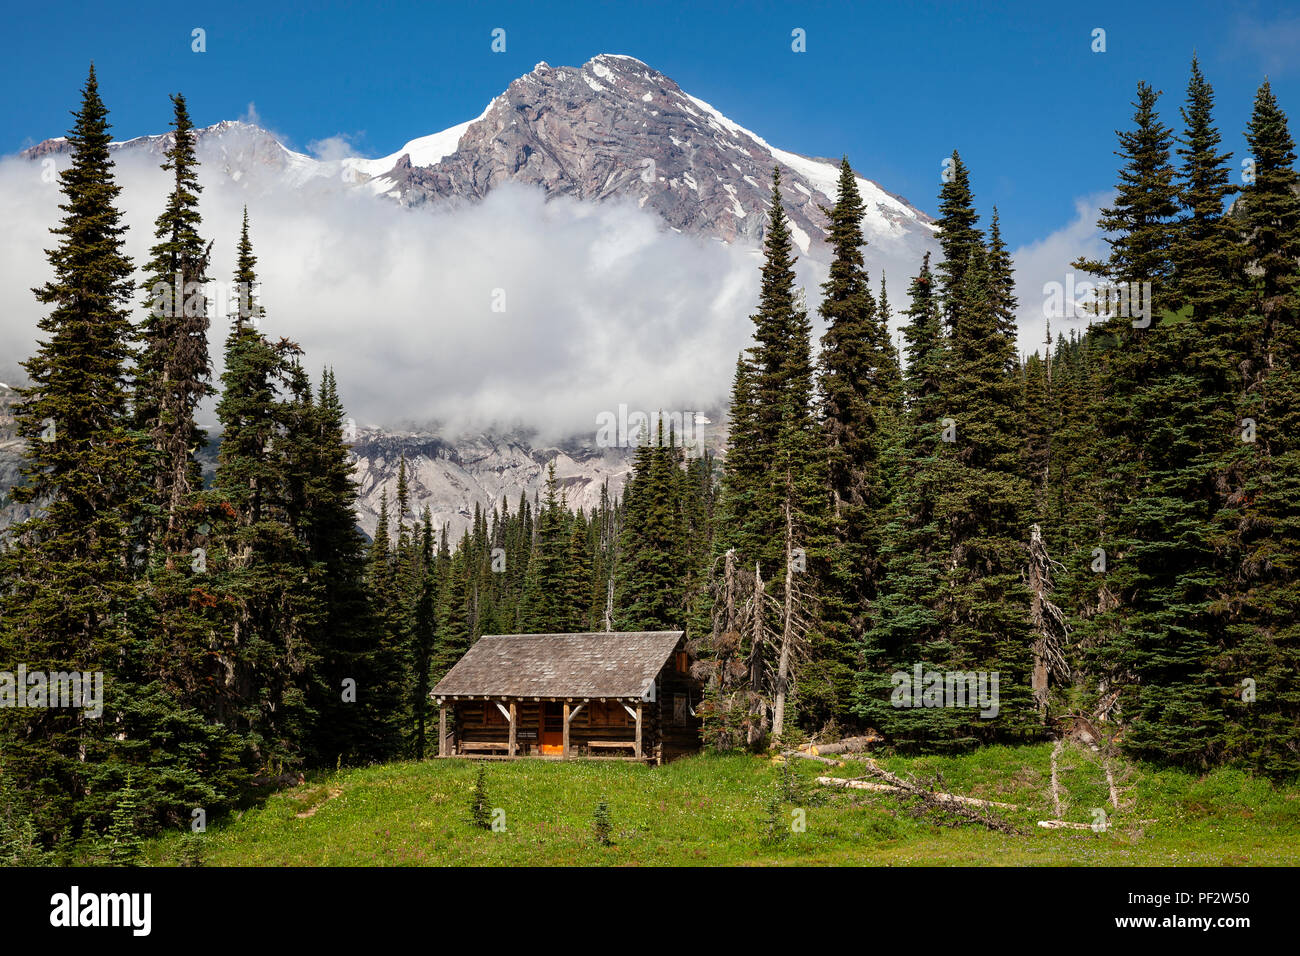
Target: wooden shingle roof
x,y
560,665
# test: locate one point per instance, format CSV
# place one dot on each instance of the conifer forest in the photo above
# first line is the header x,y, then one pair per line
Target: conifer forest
x,y
1093,537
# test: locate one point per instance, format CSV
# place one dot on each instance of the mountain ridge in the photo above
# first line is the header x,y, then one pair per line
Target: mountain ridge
x,y
611,129
581,144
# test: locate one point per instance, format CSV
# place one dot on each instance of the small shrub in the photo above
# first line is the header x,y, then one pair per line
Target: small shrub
x,y
773,822
602,825
789,784
124,844
480,811
191,849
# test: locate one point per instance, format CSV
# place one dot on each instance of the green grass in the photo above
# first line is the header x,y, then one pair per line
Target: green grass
x,y
713,810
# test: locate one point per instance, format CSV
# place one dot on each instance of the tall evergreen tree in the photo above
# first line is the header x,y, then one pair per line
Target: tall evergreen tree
x,y
1140,224
781,478
381,688
545,588
69,593
578,578
1164,420
904,617
1203,247
1271,215
1263,663
337,547
653,557
957,234
424,633
174,370
956,544
861,400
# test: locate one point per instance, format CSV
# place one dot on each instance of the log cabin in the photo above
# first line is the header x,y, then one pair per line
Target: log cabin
x,y
625,696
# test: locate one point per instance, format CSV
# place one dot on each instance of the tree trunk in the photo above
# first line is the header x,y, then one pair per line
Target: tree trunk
x,y
783,667
757,708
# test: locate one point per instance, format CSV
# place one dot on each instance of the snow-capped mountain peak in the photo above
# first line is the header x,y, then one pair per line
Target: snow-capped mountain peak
x,y
617,128
613,128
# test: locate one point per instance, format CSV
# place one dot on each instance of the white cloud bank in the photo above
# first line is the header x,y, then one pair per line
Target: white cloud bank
x,y
603,306
1048,261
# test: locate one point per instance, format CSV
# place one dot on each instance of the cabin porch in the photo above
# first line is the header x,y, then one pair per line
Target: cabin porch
x,y
504,728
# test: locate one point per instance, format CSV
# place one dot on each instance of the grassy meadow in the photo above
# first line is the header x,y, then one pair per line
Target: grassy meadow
x,y
742,810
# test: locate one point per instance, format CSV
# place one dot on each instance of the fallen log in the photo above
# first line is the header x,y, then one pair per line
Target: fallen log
x,y
1067,825
855,744
807,756
1063,825
915,791
932,799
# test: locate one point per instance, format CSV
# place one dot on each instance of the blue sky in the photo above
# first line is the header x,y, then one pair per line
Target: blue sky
x,y
1015,87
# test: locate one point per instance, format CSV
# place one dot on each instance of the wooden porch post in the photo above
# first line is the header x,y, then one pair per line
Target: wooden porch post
x,y
638,729
442,732
566,730
513,728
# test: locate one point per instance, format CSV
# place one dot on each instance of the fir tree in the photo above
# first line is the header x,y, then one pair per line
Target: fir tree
x,y
381,671
957,234
69,588
1203,246
650,591
424,632
780,479
861,395
455,628
601,825
1140,225
545,588
124,844
578,578
173,369
1165,394
1271,216
1262,658
480,807
336,547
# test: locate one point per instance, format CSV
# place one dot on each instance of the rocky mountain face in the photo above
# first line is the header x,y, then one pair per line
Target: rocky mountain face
x,y
451,477
240,151
613,129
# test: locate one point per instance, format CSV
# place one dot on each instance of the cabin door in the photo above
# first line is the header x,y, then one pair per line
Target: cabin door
x,y
552,730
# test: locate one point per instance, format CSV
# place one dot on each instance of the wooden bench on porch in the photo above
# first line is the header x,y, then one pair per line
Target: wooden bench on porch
x,y
484,746
593,745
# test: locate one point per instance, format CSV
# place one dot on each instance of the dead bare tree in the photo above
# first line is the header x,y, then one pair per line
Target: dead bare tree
x,y
756,635
731,659
1051,629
